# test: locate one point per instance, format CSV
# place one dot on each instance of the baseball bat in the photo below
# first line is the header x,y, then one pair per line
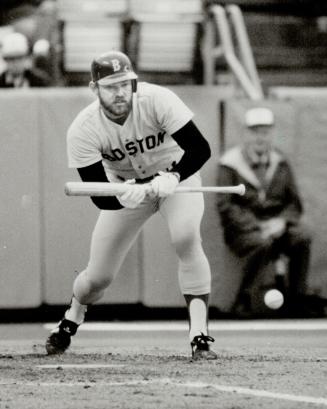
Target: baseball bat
x,y
113,189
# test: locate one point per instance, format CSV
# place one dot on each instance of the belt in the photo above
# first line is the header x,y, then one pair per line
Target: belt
x,y
146,180
143,180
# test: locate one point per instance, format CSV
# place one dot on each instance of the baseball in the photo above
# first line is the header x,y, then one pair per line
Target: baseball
x,y
273,299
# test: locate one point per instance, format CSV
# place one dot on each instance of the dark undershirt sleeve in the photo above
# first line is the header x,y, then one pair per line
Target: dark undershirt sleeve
x,y
96,173
196,150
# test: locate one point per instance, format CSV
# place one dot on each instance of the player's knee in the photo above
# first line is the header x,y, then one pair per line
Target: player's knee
x,y
95,284
186,243
100,283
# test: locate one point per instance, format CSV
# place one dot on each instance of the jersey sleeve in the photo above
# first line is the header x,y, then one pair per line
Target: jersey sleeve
x,y
171,112
82,147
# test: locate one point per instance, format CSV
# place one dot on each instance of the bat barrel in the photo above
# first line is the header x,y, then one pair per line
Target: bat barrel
x,y
238,189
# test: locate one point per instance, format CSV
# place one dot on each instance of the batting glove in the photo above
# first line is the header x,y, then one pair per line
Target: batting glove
x,y
165,184
133,196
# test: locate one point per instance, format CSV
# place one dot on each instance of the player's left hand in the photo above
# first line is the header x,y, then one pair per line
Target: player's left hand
x,y
164,185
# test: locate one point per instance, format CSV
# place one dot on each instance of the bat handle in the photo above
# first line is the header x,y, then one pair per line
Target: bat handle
x,y
149,190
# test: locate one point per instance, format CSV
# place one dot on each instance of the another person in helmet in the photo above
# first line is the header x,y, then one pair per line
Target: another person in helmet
x,y
19,72
142,135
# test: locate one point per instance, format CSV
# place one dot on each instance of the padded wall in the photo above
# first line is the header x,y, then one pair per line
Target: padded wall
x,y
311,167
20,233
45,236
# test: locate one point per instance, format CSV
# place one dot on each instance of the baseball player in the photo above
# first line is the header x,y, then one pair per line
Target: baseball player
x,y
139,134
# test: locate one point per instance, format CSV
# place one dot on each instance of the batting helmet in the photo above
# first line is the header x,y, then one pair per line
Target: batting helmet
x,y
112,67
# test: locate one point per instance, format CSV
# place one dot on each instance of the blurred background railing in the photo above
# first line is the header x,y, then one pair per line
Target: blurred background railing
x,y
167,39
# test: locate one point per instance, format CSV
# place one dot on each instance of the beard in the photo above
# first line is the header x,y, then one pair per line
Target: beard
x,y
118,109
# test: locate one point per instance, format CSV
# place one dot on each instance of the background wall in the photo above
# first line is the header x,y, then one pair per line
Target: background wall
x,y
45,235
20,206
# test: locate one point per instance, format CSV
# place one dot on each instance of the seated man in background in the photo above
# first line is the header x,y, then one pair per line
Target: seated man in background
x,y
266,221
19,71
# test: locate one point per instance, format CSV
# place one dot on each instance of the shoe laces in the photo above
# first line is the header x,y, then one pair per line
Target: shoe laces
x,y
201,342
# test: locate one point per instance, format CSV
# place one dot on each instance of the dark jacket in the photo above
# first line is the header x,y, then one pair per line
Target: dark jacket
x,y
35,78
277,197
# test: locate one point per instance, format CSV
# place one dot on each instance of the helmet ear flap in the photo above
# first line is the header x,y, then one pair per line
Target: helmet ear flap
x,y
134,85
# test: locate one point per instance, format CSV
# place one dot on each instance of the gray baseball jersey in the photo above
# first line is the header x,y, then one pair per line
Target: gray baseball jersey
x,y
140,147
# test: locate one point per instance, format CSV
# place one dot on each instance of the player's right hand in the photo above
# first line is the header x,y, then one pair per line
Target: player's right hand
x,y
164,185
133,196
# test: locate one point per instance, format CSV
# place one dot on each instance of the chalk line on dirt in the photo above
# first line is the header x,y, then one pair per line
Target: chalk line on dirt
x,y
79,366
192,385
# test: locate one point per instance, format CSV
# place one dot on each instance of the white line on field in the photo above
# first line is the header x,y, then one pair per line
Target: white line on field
x,y
79,366
252,392
250,325
198,385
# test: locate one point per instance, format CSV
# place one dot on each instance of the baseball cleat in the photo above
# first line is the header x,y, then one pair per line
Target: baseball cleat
x,y
60,337
201,348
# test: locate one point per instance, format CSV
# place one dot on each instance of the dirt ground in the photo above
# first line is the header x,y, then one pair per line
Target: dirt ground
x,y
153,370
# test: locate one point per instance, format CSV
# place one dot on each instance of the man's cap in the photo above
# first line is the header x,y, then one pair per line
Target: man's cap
x,y
14,45
112,67
259,116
